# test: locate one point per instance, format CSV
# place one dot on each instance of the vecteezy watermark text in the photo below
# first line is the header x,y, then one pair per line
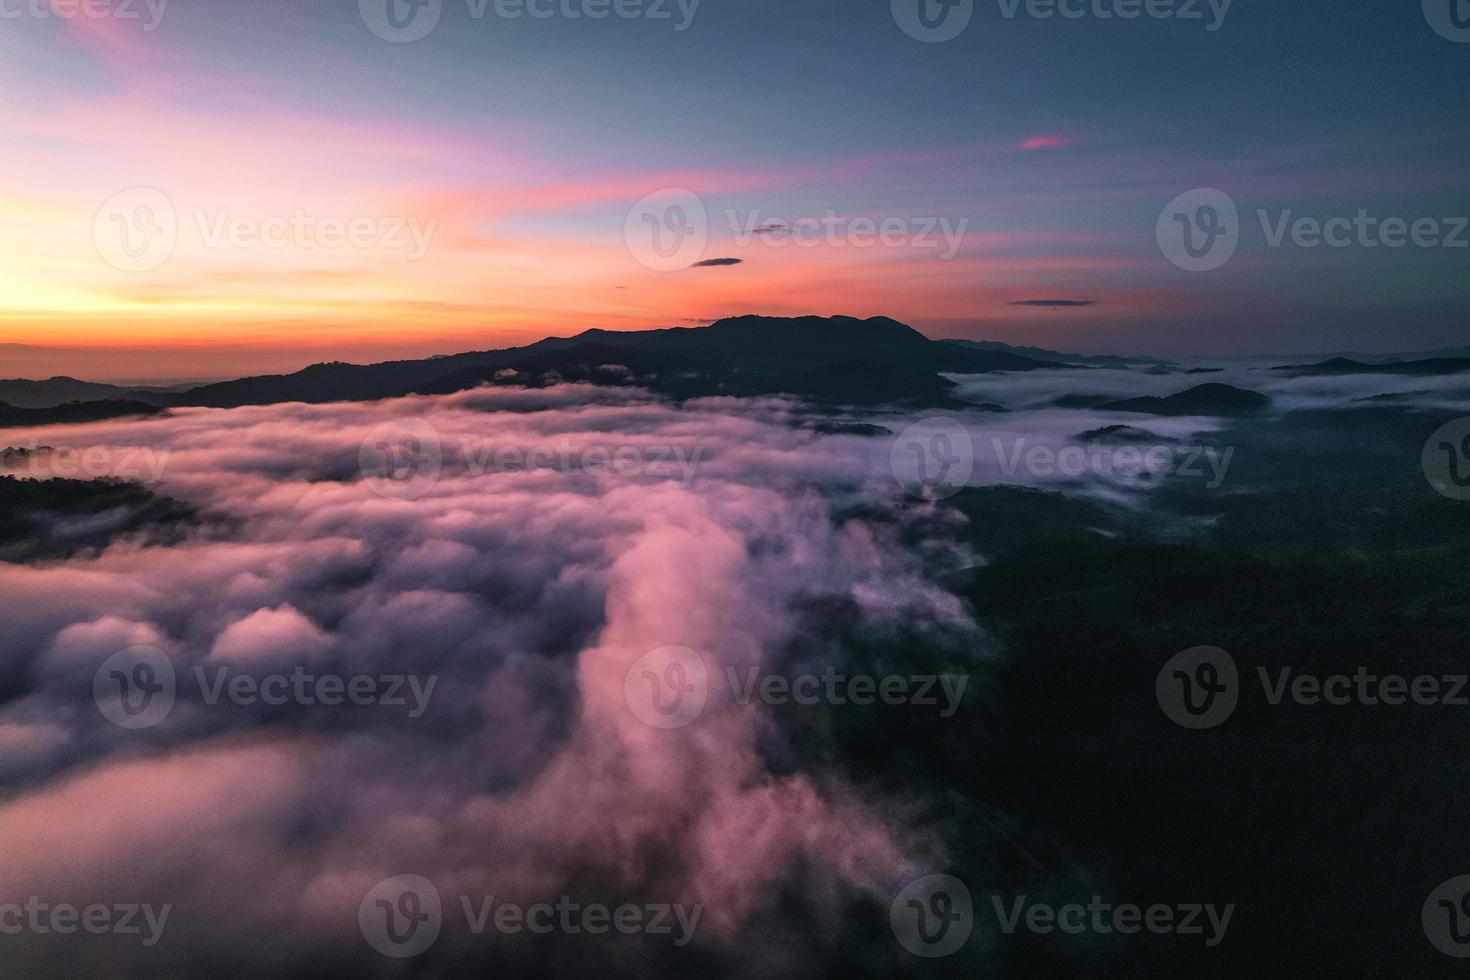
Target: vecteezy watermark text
x,y
1110,462
138,230
307,689
1103,918
1200,230
668,688
1201,688
41,918
137,688
671,229
405,21
402,917
934,916
87,10
403,459
936,21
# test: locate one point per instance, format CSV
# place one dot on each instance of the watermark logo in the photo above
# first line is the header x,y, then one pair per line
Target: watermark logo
x,y
1199,230
667,688
401,21
670,230
135,688
401,459
1446,917
1446,460
933,916
401,917
1199,688
136,230
934,458
667,230
1449,18
933,21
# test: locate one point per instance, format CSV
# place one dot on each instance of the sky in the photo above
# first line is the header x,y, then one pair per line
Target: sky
x,y
199,189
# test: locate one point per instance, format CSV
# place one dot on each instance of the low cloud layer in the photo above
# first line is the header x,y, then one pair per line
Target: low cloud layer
x,y
528,591
514,564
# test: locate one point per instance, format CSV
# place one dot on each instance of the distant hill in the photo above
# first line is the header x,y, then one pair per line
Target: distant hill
x,y
1057,357
1342,365
841,360
1208,399
73,412
20,393
1120,435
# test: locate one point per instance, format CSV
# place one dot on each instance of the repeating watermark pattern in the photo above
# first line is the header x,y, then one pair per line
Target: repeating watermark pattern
x,y
138,464
1446,459
936,21
1449,18
1199,231
301,230
1098,917
933,458
933,916
138,230
667,230
403,916
405,21
137,688
403,459
670,230
1201,688
1446,917
1076,461
37,917
668,688
1362,230
150,12
407,691
1363,687
1198,688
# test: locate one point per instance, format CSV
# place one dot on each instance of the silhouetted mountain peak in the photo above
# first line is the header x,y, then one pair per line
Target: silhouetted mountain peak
x,y
858,361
